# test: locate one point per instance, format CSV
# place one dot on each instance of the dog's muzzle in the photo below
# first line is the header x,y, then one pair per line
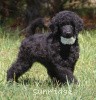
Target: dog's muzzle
x,y
68,41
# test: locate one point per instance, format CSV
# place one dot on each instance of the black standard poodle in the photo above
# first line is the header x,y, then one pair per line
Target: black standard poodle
x,y
57,50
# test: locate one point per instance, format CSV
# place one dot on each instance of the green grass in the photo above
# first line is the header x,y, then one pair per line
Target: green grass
x,y
36,85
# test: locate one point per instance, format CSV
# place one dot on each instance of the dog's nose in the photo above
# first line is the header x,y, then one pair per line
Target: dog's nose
x,y
68,34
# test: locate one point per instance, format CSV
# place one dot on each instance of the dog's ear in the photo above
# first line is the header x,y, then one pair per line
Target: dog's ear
x,y
53,27
79,25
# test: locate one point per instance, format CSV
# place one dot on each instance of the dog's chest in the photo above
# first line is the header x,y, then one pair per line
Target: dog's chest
x,y
64,51
61,50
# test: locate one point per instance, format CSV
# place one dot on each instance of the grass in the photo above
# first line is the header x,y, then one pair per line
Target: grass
x,y
36,85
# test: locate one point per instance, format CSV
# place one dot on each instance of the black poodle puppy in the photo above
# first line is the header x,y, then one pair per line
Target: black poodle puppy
x,y
57,50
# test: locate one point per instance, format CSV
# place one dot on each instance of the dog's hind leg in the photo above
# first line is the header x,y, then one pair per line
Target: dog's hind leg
x,y
20,66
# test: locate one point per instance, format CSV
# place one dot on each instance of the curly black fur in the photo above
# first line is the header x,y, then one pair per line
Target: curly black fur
x,y
41,23
58,58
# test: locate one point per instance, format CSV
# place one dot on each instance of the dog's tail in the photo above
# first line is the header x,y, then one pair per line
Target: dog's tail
x,y
41,23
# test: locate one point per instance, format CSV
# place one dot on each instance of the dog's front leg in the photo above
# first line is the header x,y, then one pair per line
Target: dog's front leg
x,y
64,75
64,69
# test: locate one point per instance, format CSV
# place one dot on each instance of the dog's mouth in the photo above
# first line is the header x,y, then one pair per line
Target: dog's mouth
x,y
68,41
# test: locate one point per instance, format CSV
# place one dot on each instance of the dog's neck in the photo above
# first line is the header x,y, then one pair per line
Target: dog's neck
x,y
64,42
67,41
65,49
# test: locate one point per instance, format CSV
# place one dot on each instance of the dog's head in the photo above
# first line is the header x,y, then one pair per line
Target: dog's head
x,y
66,25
